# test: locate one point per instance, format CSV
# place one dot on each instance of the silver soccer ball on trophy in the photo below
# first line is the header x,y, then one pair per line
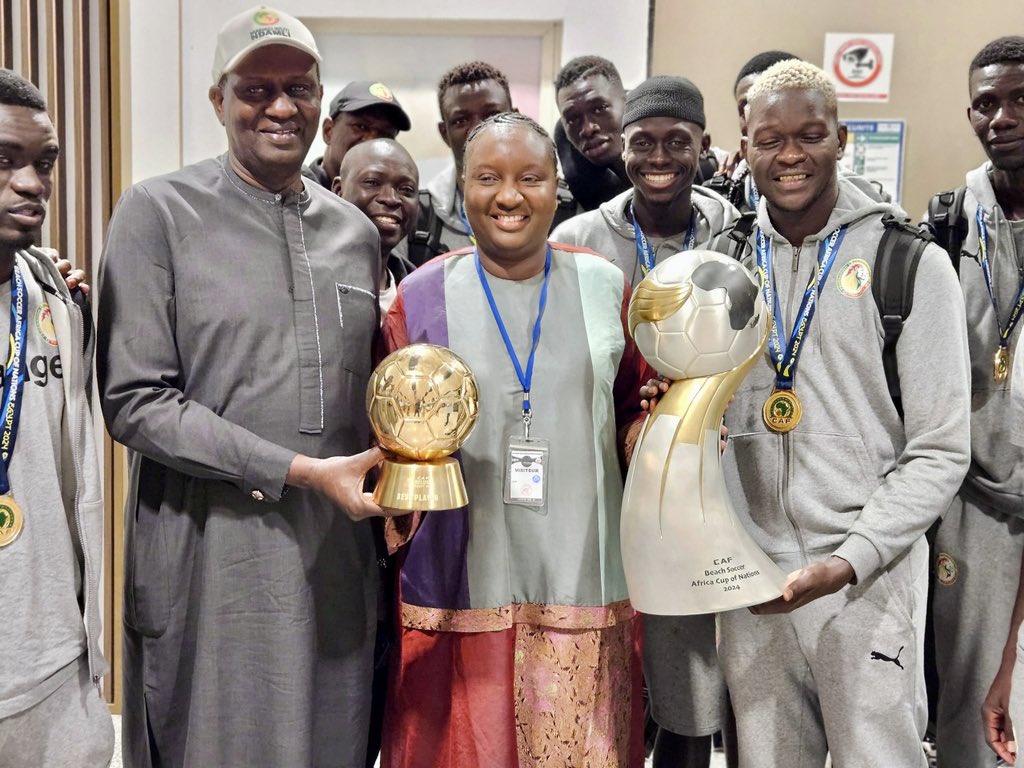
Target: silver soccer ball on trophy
x,y
708,320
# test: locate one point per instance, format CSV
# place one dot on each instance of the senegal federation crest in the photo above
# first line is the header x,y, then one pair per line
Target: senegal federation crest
x,y
265,17
382,92
946,570
854,278
44,324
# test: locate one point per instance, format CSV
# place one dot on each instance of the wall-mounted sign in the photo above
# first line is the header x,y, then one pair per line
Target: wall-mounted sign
x,y
860,65
874,149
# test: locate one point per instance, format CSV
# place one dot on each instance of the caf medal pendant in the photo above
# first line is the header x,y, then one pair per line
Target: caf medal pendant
x,y
782,410
1001,365
11,520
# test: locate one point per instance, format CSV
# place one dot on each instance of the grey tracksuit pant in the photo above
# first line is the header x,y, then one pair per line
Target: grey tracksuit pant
x,y
70,728
976,569
841,675
683,678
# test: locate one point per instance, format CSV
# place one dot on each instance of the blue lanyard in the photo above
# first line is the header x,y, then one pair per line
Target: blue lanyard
x,y
785,360
986,268
461,208
645,255
525,379
753,197
14,379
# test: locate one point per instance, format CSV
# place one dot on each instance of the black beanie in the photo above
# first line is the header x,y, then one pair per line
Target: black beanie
x,y
664,96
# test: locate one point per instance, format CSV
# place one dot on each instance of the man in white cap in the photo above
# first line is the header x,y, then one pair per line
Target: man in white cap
x,y
239,307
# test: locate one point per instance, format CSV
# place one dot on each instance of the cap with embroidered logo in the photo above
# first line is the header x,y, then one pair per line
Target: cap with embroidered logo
x,y
367,93
254,29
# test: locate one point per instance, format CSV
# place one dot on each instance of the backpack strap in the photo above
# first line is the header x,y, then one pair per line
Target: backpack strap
x,y
733,241
729,188
947,222
566,208
899,252
723,185
425,241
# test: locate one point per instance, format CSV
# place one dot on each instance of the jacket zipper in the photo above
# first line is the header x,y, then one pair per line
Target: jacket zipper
x,y
787,437
77,430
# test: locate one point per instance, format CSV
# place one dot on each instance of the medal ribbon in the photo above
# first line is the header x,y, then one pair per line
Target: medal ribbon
x,y
754,197
525,378
785,360
461,207
986,268
14,379
644,253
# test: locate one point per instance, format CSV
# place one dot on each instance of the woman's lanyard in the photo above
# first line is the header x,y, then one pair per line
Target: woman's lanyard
x,y
525,377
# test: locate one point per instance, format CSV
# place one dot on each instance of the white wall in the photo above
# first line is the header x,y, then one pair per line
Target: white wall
x,y
172,43
154,91
418,54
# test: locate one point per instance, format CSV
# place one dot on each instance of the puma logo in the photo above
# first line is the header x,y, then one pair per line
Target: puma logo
x,y
876,656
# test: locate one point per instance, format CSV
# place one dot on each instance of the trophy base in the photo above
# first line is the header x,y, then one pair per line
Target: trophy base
x,y
738,581
684,550
420,485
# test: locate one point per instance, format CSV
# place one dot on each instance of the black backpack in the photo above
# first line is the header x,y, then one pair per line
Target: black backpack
x,y
731,189
425,241
899,252
947,222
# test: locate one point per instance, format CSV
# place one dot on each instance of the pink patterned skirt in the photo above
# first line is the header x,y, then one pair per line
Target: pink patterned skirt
x,y
528,696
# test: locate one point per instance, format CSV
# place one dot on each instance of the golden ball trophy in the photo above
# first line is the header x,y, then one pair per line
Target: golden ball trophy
x,y
698,318
422,401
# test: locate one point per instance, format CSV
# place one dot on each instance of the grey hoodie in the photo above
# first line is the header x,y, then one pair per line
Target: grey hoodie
x,y
995,479
609,230
852,479
82,474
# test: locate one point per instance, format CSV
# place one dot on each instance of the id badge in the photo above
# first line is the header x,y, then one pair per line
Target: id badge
x,y
526,471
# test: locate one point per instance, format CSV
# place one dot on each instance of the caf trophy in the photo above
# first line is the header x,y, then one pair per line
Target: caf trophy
x,y
698,318
422,402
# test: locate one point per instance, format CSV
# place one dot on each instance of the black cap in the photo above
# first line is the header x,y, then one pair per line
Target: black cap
x,y
664,96
367,93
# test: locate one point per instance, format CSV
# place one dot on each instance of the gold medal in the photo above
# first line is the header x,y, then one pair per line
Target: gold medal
x,y
11,520
1001,365
782,410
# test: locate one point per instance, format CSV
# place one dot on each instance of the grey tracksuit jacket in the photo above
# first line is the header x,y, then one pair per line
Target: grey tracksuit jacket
x,y
852,479
995,479
83,474
609,230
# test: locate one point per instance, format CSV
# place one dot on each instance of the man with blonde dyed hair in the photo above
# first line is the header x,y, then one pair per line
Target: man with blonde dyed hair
x,y
825,474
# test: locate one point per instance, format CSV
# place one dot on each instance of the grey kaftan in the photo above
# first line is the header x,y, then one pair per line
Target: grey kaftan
x,y
236,329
